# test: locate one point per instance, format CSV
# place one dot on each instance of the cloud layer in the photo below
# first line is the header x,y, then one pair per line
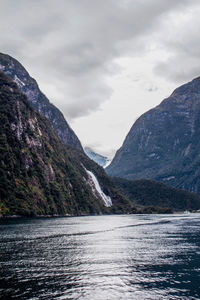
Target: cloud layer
x,y
72,47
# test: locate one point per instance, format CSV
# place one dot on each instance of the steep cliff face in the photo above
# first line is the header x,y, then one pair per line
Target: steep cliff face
x,y
38,174
164,143
12,68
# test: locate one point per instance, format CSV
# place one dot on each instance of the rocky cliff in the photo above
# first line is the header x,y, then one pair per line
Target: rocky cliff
x,y
164,143
41,176
12,68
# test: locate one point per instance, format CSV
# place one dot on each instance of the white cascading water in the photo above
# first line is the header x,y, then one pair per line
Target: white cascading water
x,y
106,199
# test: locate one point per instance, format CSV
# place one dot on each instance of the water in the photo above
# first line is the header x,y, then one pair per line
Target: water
x,y
101,257
106,199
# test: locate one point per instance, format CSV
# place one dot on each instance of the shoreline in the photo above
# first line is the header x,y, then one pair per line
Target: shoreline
x,y
87,215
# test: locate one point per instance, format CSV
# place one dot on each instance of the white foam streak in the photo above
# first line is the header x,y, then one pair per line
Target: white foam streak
x,y
106,199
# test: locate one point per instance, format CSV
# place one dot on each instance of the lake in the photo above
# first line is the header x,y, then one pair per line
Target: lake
x,y
101,257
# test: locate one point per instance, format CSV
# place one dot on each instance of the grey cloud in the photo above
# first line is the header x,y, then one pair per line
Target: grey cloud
x,y
98,148
183,44
74,44
85,102
43,27
179,68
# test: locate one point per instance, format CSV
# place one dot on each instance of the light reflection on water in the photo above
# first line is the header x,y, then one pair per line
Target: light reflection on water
x,y
101,257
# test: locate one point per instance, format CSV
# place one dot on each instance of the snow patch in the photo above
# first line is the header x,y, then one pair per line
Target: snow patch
x,y
107,163
19,82
169,178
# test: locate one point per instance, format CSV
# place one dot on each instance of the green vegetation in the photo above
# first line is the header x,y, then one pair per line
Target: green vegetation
x,y
151,193
38,174
14,70
41,176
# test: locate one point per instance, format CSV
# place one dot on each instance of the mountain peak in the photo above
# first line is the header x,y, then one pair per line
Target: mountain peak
x,y
163,144
41,176
13,69
192,87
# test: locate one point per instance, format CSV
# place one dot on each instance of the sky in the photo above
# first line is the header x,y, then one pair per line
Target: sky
x,y
104,63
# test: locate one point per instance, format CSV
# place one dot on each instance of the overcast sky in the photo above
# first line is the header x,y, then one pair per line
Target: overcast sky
x,y
104,62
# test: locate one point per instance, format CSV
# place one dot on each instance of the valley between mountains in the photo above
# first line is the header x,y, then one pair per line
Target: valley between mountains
x,y
45,171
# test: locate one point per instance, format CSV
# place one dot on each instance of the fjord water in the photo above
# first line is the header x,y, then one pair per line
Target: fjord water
x,y
101,257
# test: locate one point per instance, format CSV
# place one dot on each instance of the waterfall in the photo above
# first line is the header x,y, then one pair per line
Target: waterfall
x,y
106,199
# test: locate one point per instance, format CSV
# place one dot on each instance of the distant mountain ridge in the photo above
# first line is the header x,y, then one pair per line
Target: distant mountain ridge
x,y
12,68
42,174
98,158
152,193
163,144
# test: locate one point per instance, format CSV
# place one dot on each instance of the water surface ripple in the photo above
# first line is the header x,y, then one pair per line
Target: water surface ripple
x,y
101,257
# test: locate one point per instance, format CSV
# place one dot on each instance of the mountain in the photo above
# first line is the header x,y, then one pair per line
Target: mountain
x,y
39,175
12,68
98,158
152,193
163,144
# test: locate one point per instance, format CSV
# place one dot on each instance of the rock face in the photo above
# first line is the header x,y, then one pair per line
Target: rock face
x,y
12,68
164,143
38,174
98,158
